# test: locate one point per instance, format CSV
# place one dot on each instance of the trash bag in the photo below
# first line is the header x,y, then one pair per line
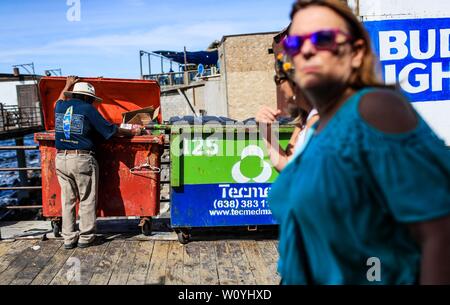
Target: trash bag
x,y
191,120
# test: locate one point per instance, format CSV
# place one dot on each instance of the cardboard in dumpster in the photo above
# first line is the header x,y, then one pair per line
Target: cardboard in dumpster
x,y
141,117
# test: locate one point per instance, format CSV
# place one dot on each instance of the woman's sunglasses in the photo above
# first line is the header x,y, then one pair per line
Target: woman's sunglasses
x,y
321,40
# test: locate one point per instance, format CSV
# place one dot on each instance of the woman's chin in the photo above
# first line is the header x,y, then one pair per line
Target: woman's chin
x,y
311,84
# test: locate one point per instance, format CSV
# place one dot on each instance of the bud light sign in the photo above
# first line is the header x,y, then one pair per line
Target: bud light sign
x,y
416,54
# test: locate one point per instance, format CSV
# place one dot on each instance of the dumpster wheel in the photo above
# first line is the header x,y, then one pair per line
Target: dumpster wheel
x,y
183,237
56,226
146,226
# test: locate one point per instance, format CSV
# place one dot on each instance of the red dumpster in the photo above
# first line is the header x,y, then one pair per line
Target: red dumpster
x,y
129,182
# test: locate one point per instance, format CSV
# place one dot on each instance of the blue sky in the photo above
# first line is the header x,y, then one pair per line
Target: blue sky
x,y
107,39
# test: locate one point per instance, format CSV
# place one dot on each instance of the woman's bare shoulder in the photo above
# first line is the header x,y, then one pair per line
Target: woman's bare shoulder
x,y
388,111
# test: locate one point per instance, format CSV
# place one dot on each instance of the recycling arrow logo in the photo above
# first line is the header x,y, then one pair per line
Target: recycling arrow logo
x,y
266,172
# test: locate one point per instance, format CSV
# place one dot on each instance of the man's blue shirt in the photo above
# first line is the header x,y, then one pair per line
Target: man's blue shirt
x,y
78,124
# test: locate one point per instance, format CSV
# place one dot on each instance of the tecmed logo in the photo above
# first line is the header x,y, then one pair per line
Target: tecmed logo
x,y
266,171
416,54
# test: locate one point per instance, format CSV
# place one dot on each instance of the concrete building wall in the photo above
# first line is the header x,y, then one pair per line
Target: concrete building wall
x,y
247,73
214,97
174,104
209,97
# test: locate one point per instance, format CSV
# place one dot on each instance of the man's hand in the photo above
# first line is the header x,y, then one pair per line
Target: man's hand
x,y
71,80
267,115
136,131
128,132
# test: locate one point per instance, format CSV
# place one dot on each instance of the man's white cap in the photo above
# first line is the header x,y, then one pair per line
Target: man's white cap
x,y
83,88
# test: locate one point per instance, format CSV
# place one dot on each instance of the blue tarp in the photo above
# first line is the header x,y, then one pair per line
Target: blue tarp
x,y
200,57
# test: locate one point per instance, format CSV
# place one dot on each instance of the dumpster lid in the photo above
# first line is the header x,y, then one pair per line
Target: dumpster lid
x,y
119,96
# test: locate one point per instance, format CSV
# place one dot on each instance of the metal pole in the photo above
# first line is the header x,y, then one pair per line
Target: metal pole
x,y
149,64
140,63
3,117
162,65
185,75
22,162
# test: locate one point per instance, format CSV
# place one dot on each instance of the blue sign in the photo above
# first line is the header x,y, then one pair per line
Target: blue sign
x,y
201,69
213,205
415,53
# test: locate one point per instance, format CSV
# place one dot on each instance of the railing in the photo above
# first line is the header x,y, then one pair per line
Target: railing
x,y
22,174
180,78
15,117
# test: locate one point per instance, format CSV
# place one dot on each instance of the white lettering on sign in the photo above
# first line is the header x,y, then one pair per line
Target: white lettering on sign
x,y
438,76
393,45
244,192
423,79
445,43
390,41
416,77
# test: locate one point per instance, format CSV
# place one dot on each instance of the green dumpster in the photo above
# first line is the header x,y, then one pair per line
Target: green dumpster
x,y
221,176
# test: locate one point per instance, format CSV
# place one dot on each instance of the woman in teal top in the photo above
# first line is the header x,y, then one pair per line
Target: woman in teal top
x,y
367,200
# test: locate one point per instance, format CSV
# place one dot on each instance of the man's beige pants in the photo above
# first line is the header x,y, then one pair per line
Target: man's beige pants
x,y
78,178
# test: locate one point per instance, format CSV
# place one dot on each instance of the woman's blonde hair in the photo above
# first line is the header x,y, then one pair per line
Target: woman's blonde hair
x,y
365,75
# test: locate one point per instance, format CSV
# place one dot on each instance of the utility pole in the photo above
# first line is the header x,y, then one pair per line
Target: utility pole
x,y
186,75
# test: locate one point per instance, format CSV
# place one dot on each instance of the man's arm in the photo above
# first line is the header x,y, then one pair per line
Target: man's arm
x,y
71,80
122,132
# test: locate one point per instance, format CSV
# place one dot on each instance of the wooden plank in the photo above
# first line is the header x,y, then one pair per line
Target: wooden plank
x,y
70,269
208,264
275,244
191,264
41,258
4,247
241,264
17,265
157,270
11,254
224,264
48,273
257,264
122,269
141,263
102,272
174,270
270,256
91,257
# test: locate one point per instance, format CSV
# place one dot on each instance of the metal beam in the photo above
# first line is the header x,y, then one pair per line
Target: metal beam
x,y
16,169
181,92
19,147
21,188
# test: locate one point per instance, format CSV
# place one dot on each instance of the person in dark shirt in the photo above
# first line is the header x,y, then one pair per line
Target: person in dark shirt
x,y
77,125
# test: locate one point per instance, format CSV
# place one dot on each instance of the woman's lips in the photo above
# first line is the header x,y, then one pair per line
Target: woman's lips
x,y
310,69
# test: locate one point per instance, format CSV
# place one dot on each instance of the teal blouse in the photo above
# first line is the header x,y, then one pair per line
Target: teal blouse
x,y
348,197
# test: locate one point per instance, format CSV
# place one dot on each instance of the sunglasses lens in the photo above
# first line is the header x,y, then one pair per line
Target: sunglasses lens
x,y
292,45
323,39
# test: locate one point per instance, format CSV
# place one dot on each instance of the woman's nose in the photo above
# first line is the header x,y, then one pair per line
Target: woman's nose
x,y
308,49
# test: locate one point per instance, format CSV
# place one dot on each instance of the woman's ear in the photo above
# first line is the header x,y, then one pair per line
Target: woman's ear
x,y
359,49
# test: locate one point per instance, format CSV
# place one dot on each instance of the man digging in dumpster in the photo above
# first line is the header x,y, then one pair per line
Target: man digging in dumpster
x,y
77,125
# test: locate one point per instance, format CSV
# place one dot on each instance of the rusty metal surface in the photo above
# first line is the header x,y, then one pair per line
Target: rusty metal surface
x,y
121,192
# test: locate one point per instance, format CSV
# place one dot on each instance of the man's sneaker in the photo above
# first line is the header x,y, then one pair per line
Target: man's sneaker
x,y
70,246
96,241
85,245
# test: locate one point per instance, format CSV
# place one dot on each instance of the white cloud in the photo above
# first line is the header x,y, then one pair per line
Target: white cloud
x,y
194,36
